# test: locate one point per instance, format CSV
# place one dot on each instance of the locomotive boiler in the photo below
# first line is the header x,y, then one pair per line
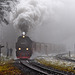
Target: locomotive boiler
x,y
23,47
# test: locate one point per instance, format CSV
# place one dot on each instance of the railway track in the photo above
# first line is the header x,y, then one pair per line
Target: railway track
x,y
31,67
61,57
40,68
24,69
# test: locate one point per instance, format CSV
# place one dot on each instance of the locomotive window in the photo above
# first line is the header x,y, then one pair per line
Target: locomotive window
x,y
19,48
27,49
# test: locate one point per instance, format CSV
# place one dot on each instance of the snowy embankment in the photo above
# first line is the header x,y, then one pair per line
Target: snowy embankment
x,y
57,64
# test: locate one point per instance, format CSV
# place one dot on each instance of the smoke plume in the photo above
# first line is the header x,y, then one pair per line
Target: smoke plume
x,y
28,14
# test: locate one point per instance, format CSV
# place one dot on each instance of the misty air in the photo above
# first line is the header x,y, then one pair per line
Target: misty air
x,y
37,37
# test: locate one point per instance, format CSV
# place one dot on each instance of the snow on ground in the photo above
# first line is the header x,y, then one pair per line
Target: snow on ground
x,y
53,60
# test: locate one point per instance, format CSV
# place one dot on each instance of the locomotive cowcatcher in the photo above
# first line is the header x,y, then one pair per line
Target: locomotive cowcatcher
x,y
23,47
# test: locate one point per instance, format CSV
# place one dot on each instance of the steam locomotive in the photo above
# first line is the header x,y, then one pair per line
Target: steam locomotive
x,y
23,47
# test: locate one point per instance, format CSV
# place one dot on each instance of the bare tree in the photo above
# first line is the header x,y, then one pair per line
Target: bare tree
x,y
5,9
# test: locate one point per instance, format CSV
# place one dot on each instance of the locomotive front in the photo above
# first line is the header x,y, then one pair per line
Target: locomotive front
x,y
24,47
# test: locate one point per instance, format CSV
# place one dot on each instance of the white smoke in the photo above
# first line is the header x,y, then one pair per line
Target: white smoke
x,y
28,14
31,13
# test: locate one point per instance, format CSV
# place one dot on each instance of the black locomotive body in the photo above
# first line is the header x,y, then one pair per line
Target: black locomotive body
x,y
24,47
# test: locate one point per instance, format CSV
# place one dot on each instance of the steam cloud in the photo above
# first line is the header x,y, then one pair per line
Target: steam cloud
x,y
28,14
31,13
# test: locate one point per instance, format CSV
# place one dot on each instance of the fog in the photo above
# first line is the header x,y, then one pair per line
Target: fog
x,y
48,21
59,27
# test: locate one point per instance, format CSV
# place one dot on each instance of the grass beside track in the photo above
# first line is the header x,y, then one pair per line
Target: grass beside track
x,y
57,64
7,68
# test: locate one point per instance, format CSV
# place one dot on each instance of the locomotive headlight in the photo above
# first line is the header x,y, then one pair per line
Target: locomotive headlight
x,y
19,48
27,49
23,36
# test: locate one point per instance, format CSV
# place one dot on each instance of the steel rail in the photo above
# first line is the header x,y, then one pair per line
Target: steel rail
x,y
33,67
41,69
